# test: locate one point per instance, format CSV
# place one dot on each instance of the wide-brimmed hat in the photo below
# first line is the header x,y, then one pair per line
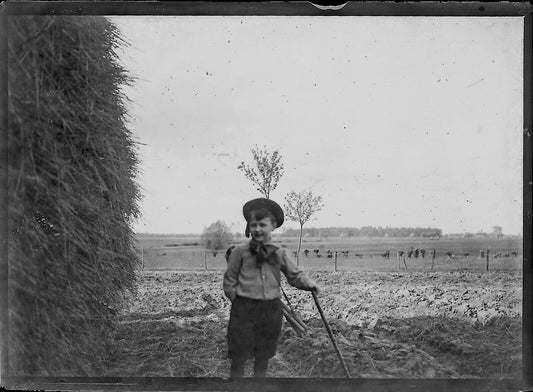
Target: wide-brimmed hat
x,y
267,204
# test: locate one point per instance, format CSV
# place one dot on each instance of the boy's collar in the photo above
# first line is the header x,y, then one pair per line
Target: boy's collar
x,y
263,251
268,242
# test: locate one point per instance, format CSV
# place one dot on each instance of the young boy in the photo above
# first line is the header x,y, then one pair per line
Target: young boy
x,y
252,283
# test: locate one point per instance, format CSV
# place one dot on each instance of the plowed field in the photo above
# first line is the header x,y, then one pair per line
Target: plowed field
x,y
406,324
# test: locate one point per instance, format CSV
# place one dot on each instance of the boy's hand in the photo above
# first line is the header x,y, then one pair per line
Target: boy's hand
x,y
314,288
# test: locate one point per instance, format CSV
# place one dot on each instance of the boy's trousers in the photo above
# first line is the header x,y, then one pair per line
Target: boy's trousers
x,y
254,328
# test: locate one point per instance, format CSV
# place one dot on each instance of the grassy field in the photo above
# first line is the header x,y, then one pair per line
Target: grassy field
x,y
185,253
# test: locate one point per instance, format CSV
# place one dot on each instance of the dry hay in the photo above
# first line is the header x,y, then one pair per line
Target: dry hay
x,y
421,347
486,350
164,346
365,353
72,193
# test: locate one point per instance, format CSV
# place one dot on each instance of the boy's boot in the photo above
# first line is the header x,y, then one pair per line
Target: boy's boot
x,y
260,367
237,368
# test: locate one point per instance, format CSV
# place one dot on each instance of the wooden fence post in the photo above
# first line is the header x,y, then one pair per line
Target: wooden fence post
x,y
335,261
142,256
487,259
205,259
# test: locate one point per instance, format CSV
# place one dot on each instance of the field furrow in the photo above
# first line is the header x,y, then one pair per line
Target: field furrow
x,y
409,324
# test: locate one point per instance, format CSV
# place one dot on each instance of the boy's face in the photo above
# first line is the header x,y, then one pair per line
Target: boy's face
x,y
261,229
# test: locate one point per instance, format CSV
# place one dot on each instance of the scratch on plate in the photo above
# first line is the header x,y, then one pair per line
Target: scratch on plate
x,y
476,82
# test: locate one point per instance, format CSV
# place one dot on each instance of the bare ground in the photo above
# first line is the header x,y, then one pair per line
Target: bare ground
x,y
387,325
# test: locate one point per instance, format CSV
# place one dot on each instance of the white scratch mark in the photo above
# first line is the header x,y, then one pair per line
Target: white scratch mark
x,y
476,82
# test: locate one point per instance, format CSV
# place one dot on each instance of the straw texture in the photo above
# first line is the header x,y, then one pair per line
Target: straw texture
x,y
72,192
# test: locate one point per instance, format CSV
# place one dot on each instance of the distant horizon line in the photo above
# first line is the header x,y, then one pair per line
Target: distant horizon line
x,y
479,231
281,234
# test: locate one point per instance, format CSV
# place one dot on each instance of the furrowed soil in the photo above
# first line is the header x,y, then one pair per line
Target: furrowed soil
x,y
386,325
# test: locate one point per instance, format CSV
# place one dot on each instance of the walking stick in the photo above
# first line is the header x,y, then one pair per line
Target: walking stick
x,y
330,334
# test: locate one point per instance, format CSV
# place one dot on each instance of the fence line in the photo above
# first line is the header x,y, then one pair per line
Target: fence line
x,y
205,260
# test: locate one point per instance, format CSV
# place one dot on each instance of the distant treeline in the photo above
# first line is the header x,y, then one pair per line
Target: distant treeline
x,y
366,231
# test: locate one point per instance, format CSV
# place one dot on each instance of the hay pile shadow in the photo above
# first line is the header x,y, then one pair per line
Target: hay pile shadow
x,y
72,192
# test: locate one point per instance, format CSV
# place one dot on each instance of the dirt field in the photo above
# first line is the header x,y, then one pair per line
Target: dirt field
x,y
409,324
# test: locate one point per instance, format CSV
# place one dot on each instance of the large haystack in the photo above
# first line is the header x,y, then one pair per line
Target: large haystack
x,y
72,192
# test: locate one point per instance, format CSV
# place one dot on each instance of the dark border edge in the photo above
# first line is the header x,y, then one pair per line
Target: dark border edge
x,y
167,8
268,384
4,230
274,8
527,325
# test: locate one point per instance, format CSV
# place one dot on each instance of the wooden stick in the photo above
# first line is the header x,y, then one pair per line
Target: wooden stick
x,y
330,335
299,330
294,315
291,320
298,318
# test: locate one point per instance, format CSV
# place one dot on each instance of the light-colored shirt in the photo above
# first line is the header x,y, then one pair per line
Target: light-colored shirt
x,y
246,278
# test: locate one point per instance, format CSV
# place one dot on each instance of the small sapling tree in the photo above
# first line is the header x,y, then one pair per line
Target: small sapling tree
x,y
267,171
216,236
299,207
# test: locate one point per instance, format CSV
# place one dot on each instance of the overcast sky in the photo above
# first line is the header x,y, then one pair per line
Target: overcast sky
x,y
394,121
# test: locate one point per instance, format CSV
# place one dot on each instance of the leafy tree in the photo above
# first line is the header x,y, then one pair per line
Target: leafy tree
x,y
299,207
216,237
267,172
